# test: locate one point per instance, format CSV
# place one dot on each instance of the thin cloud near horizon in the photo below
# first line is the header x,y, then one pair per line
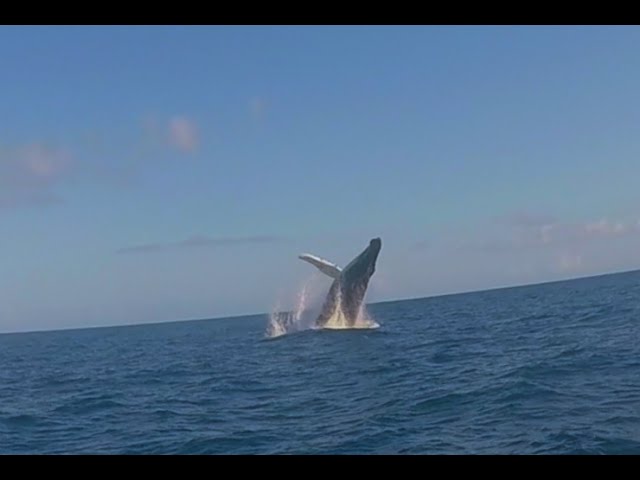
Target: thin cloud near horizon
x,y
30,173
201,241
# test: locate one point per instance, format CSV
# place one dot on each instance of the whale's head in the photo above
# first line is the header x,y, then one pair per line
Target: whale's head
x,y
355,277
374,248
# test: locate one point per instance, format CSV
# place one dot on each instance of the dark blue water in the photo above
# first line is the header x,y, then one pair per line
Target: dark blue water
x,y
550,368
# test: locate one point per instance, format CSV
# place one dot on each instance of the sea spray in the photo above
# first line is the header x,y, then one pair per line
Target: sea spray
x,y
281,323
338,320
303,316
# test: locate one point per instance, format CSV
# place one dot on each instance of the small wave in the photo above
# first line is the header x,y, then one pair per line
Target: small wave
x,y
89,406
20,420
371,326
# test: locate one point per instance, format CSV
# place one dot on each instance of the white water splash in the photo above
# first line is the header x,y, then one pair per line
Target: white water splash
x,y
338,321
306,311
281,323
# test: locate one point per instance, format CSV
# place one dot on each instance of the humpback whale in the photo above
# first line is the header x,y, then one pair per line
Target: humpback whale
x,y
343,303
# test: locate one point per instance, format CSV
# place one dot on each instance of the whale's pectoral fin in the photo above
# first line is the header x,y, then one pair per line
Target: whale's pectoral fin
x,y
324,266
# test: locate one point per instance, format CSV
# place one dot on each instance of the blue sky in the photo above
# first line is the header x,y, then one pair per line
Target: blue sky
x,y
167,173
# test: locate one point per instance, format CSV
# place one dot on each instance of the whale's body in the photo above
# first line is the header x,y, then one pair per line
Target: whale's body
x,y
344,300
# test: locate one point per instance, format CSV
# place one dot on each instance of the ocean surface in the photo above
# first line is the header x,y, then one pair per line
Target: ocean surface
x,y
544,369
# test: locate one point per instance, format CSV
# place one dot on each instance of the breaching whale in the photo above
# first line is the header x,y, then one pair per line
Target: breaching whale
x,y
342,306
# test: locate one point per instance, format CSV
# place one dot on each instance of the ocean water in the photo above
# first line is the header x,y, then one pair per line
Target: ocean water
x,y
545,369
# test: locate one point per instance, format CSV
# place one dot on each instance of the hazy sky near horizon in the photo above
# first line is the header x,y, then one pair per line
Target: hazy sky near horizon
x,y
168,173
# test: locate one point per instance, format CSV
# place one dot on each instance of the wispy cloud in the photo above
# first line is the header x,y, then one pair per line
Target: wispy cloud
x,y
526,230
540,244
563,233
33,174
604,227
30,173
183,134
422,245
179,132
201,241
258,108
28,198
570,262
526,219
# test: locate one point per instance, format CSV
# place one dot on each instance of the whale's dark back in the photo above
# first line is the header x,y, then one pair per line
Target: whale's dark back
x,y
351,285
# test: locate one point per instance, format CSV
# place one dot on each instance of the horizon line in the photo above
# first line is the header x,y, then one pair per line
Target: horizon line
x,y
405,299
